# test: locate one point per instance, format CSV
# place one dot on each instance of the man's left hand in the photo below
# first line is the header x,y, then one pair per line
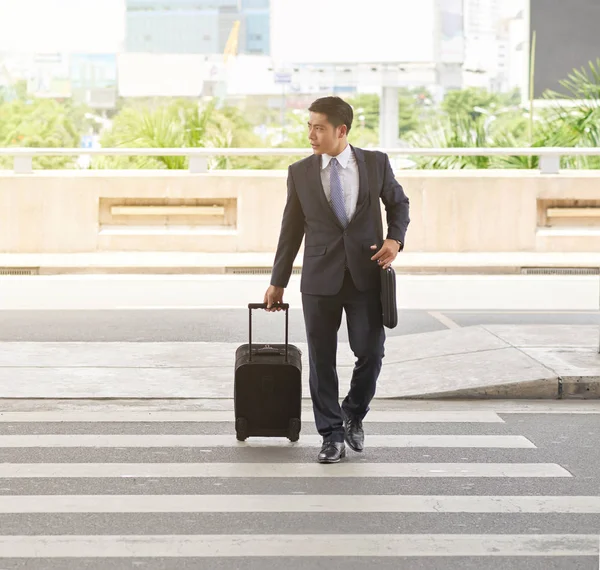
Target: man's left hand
x,y
388,252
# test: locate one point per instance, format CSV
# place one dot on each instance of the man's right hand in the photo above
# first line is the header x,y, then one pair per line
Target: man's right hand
x,y
272,296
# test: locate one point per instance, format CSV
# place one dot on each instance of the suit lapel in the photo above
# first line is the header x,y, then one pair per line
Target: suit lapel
x,y
315,184
363,179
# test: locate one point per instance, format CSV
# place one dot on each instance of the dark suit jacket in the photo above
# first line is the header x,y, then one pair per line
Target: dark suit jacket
x,y
328,246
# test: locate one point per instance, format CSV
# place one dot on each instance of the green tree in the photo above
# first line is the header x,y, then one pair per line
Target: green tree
x,y
468,102
39,123
243,136
415,110
365,105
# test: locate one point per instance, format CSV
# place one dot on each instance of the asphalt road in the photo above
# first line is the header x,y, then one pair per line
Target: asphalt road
x,y
231,325
189,292
110,515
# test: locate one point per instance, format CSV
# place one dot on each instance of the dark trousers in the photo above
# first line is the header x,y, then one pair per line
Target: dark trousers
x,y
322,317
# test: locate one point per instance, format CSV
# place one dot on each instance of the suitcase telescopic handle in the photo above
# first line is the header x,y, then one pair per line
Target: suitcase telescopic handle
x,y
252,306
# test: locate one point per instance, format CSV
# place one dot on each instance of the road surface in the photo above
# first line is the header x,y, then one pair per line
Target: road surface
x,y
440,486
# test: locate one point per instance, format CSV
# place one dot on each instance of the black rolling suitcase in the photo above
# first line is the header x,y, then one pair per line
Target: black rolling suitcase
x,y
268,386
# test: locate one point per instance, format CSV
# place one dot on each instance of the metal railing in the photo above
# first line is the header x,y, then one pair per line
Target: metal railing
x,y
198,157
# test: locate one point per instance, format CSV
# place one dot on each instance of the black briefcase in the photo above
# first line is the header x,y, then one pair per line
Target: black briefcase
x,y
268,386
389,308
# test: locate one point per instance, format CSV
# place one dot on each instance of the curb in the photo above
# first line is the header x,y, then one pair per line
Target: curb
x,y
561,388
565,388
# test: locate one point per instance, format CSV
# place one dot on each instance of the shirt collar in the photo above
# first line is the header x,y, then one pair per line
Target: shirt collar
x,y
343,158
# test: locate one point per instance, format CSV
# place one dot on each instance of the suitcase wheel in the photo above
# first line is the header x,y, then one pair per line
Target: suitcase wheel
x,y
241,429
294,429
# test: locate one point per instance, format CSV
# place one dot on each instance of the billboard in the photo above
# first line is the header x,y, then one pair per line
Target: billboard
x,y
566,38
162,75
353,31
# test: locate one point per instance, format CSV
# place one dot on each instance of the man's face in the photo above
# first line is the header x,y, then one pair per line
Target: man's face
x,y
323,136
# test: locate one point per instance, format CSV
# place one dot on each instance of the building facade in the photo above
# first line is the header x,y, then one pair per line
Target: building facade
x,y
494,37
196,26
482,61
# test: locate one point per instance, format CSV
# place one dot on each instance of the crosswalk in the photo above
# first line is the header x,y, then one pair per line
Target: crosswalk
x,y
436,488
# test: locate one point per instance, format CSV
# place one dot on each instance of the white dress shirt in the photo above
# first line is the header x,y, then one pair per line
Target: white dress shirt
x,y
348,177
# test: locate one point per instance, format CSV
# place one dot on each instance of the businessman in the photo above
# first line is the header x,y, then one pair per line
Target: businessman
x,y
333,197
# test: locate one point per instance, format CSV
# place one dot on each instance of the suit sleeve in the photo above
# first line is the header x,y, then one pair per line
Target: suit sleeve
x,y
396,204
290,236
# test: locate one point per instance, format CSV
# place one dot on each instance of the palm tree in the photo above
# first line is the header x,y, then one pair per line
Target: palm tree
x,y
179,124
575,116
453,132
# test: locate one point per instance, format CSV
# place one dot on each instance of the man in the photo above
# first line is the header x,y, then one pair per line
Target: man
x,y
332,198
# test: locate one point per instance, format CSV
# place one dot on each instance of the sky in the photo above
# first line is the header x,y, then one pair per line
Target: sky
x,y
34,26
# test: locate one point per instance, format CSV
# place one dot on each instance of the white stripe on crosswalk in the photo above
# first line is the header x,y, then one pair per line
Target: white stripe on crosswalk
x,y
298,545
297,504
387,441
103,546
218,416
287,470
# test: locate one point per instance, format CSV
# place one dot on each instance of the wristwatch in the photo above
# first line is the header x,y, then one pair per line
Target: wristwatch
x,y
400,244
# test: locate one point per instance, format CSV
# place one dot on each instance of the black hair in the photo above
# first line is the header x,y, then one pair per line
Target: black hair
x,y
337,111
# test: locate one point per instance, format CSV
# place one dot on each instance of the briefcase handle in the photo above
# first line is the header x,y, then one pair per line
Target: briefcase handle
x,y
252,306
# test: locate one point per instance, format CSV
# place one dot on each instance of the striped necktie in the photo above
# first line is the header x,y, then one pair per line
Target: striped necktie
x,y
337,193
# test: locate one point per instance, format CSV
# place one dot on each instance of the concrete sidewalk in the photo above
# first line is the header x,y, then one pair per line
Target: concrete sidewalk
x,y
494,361
221,263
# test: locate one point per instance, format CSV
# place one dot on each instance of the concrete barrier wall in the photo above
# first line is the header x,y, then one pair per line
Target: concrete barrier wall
x,y
240,211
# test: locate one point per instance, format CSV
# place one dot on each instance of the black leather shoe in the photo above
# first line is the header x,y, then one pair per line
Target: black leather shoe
x,y
332,451
354,433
